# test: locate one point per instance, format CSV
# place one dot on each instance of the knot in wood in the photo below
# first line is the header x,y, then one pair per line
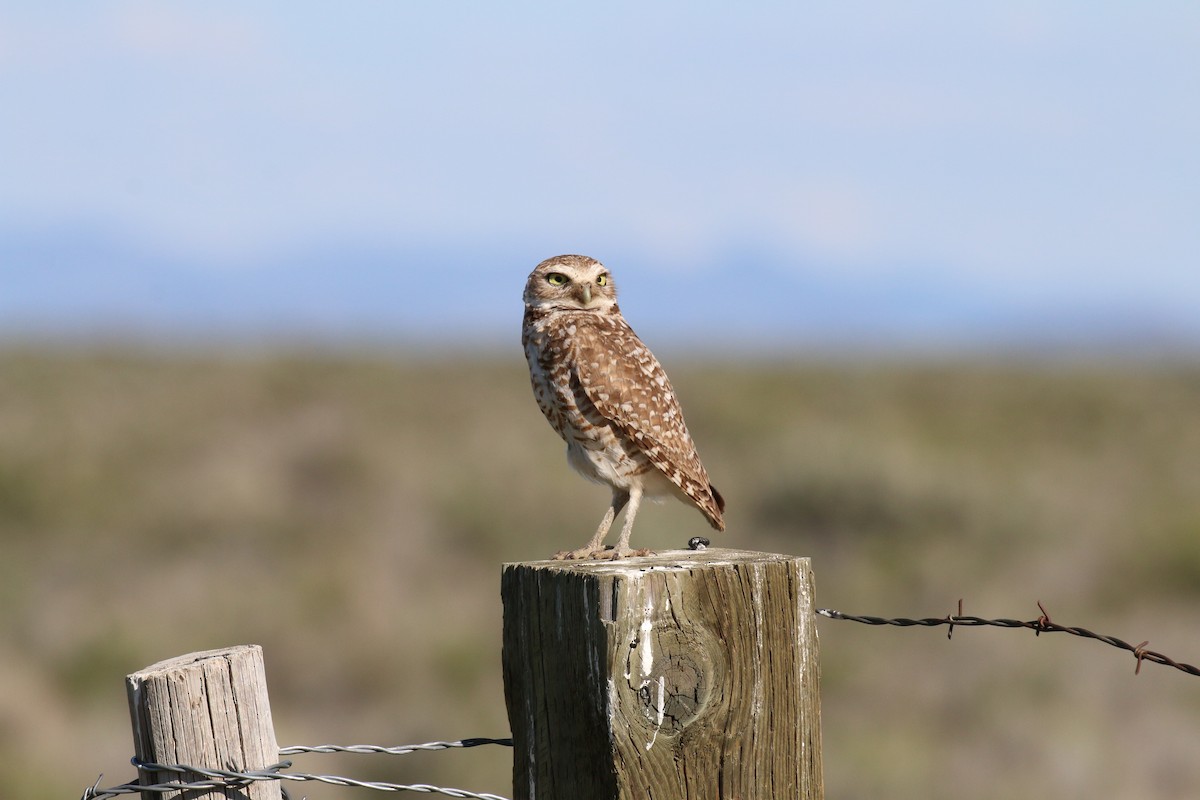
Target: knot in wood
x,y
671,671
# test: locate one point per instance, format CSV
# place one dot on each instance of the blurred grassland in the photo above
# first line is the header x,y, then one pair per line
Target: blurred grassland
x,y
351,513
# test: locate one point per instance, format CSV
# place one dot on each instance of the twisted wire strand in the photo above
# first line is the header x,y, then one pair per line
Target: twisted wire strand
x,y
395,751
221,778
1043,624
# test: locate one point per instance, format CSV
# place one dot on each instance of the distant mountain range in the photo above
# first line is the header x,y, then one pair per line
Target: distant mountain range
x,y
80,283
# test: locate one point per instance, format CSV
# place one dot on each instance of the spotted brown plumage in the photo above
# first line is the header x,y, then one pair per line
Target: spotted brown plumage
x,y
606,394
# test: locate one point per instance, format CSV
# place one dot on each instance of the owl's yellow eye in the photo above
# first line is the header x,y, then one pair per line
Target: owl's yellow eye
x,y
602,280
556,279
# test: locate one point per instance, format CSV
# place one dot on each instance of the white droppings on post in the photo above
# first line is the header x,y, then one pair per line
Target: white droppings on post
x,y
646,627
647,647
662,710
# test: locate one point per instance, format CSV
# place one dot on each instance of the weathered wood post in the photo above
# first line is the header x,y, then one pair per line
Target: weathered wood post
x,y
207,710
681,675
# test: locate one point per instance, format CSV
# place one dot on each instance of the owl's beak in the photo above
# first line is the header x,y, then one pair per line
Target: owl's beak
x,y
585,294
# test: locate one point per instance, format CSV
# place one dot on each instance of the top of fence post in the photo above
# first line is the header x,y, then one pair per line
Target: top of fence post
x,y
208,710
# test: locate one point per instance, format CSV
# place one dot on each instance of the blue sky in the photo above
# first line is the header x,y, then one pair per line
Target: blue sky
x,y
868,171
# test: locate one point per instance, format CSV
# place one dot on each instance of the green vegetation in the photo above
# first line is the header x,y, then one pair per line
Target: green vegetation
x,y
350,514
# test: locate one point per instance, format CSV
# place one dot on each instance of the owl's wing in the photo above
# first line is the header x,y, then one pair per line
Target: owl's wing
x,y
629,388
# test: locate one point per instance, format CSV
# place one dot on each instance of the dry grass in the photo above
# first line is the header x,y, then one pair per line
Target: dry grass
x,y
351,515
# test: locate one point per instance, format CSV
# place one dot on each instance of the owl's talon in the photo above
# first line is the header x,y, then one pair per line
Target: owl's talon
x,y
613,554
581,554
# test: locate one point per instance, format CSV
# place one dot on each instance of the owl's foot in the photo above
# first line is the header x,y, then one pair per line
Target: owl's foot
x,y
586,552
608,553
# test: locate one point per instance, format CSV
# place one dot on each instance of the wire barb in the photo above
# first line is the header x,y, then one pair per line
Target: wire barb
x,y
950,620
1043,621
1139,653
1043,624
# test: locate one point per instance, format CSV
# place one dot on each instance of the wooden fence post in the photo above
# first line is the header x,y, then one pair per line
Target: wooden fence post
x,y
207,710
681,675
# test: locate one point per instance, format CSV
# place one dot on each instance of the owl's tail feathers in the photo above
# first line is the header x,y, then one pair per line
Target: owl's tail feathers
x,y
716,520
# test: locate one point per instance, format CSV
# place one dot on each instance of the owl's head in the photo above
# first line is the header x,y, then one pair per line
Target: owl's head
x,y
571,283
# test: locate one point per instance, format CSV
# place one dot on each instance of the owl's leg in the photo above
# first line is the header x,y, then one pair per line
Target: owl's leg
x,y
622,549
595,547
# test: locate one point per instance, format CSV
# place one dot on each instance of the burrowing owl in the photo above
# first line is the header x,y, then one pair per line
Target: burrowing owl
x,y
608,397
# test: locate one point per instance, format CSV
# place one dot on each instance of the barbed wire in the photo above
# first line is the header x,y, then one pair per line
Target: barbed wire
x,y
1043,624
223,779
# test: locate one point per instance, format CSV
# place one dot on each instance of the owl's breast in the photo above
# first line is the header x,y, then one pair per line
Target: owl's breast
x,y
595,447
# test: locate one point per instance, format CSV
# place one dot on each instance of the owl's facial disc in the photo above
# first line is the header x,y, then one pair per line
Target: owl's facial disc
x,y
571,283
